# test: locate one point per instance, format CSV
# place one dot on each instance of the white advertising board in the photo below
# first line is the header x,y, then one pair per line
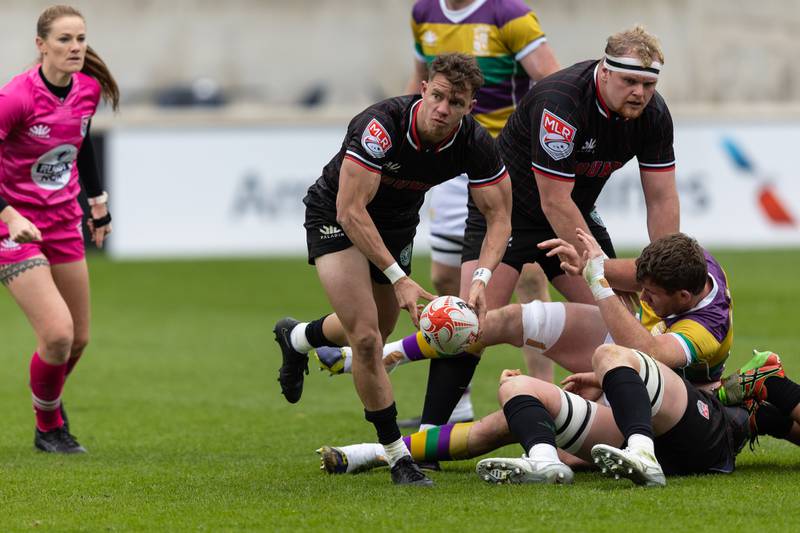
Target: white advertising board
x,y
190,192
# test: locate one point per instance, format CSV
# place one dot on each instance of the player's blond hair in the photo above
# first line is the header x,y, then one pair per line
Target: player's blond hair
x,y
93,65
636,42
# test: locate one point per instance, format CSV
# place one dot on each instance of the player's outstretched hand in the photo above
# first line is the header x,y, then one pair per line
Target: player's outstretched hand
x,y
477,300
408,293
584,384
571,262
22,230
590,243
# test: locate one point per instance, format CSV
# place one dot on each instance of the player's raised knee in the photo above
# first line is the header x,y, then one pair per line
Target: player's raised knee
x,y
607,356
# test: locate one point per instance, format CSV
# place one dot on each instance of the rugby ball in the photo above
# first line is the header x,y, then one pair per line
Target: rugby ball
x,y
449,325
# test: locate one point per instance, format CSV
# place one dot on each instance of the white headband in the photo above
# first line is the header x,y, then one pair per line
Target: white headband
x,y
632,65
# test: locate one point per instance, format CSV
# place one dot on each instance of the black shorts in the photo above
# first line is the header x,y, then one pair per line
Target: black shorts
x,y
522,247
325,236
707,438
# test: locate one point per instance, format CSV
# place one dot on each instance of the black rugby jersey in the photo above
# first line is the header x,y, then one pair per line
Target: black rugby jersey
x,y
563,129
383,139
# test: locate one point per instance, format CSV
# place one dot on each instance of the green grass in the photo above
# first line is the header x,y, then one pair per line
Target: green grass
x,y
177,402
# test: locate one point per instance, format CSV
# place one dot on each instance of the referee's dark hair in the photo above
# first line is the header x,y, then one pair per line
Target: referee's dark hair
x,y
460,69
674,262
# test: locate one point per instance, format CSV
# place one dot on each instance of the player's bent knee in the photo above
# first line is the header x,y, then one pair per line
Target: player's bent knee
x,y
608,356
366,344
516,386
57,344
78,346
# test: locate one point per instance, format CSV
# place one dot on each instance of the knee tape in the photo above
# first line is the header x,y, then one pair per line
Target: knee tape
x,y
653,380
542,324
573,422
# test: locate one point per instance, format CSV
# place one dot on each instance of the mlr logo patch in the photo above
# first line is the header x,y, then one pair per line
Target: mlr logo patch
x,y
556,135
703,408
375,140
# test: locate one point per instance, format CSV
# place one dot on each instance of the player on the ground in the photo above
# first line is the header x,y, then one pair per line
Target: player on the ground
x,y
668,425
684,321
45,114
512,51
566,137
361,216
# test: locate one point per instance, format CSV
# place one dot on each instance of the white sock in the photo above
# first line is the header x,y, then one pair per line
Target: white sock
x,y
394,355
543,452
364,456
641,442
463,409
298,338
395,451
347,355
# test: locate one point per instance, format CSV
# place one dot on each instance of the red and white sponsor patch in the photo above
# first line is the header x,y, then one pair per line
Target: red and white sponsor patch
x,y
556,135
703,408
375,140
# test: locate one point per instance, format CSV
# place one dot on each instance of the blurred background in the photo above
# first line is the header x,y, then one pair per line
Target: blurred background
x,y
230,110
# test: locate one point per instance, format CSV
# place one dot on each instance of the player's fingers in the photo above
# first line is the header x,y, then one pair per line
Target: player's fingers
x,y
549,243
425,295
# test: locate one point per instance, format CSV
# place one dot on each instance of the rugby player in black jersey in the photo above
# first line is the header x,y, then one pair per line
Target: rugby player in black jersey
x,y
361,217
569,133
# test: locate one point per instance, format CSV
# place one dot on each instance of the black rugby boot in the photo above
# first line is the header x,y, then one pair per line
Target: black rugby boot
x,y
290,375
406,472
57,441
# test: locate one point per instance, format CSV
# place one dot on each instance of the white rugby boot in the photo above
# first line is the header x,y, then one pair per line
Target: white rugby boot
x,y
523,470
638,465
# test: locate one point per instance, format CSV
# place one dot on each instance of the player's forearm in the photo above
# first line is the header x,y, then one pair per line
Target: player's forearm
x,y
621,274
495,242
360,229
663,216
564,217
623,326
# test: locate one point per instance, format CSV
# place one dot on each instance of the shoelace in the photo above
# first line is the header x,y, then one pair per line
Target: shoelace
x,y
67,438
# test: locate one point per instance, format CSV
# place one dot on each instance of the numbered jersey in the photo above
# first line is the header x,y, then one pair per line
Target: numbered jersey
x,y
498,33
41,136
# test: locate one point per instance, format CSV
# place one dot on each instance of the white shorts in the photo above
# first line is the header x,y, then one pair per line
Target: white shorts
x,y
448,210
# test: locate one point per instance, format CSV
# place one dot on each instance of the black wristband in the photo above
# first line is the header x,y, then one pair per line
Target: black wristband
x,y
102,221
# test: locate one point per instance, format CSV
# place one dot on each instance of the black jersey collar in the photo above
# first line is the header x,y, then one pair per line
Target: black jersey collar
x,y
413,135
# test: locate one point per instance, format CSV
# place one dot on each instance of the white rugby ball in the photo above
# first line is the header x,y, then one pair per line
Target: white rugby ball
x,y
449,325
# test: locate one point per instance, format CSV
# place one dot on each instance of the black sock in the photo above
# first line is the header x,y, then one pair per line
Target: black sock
x,y
529,421
783,393
385,422
770,421
315,336
447,381
629,401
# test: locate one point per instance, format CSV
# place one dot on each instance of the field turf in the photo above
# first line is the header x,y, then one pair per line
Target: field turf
x,y
178,405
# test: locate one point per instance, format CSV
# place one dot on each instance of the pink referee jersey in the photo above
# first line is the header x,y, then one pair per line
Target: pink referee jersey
x,y
41,137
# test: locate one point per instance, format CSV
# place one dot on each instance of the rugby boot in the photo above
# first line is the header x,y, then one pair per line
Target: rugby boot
x,y
638,465
499,471
748,383
332,460
295,364
331,359
57,441
406,472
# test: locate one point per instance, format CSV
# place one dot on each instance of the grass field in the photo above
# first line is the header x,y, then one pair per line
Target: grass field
x,y
178,404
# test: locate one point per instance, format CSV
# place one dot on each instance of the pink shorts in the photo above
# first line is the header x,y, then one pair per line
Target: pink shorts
x,y
62,243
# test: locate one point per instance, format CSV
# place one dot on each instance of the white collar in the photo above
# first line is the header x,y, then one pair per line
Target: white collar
x,y
456,16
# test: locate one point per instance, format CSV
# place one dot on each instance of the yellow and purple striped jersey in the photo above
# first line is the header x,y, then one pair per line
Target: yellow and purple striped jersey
x,y
499,33
705,332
